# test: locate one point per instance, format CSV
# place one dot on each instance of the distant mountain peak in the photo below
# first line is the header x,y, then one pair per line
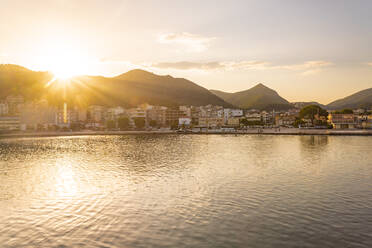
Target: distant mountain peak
x,y
260,85
139,74
136,73
258,97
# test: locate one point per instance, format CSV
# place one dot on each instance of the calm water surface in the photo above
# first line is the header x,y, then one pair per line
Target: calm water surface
x,y
186,191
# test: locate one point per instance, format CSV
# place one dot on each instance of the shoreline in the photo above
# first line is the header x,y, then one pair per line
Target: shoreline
x,y
289,131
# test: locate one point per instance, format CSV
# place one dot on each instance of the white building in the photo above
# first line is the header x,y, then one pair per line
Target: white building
x,y
96,113
134,113
253,116
10,123
114,113
231,113
185,121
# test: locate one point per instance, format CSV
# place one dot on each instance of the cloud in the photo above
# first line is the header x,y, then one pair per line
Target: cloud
x,y
214,65
247,65
191,42
307,68
370,63
185,65
309,65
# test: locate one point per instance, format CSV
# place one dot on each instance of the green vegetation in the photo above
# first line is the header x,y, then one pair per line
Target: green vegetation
x,y
123,123
301,105
345,111
247,123
259,97
110,124
313,112
298,122
140,122
153,123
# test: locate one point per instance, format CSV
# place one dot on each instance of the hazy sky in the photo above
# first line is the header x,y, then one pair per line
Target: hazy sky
x,y
305,49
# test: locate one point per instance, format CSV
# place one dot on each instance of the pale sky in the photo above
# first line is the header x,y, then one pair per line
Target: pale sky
x,y
307,50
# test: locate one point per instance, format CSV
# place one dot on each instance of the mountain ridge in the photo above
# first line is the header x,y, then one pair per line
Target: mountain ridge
x,y
360,99
132,88
139,86
258,97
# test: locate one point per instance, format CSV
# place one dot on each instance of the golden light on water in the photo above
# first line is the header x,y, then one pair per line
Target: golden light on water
x,y
65,113
65,185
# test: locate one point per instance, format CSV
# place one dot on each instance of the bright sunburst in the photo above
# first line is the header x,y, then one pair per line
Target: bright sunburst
x,y
65,66
64,58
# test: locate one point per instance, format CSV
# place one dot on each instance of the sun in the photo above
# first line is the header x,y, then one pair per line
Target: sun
x,y
64,73
63,57
65,66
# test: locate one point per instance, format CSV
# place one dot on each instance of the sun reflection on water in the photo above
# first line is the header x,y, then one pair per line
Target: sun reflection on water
x,y
66,184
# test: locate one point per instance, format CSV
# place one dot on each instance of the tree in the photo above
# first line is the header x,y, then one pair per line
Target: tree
x,y
244,122
110,124
174,125
309,112
153,123
75,126
140,122
345,111
123,123
298,122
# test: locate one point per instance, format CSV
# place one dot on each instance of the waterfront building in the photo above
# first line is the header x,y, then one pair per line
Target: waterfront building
x,y
34,115
172,115
234,121
211,122
15,103
134,113
230,113
343,121
285,120
266,117
9,123
195,114
366,123
157,114
114,113
187,110
210,111
65,119
96,114
253,116
184,121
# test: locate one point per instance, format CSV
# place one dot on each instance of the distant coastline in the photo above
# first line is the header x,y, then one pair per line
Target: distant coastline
x,y
253,131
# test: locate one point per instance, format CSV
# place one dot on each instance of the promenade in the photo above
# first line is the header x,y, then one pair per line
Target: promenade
x,y
253,131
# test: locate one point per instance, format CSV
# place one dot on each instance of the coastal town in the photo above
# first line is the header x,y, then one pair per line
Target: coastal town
x,y
20,116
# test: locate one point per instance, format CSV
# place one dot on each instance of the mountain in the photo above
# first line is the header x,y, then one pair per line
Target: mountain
x,y
361,99
301,105
17,80
259,97
138,86
129,89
